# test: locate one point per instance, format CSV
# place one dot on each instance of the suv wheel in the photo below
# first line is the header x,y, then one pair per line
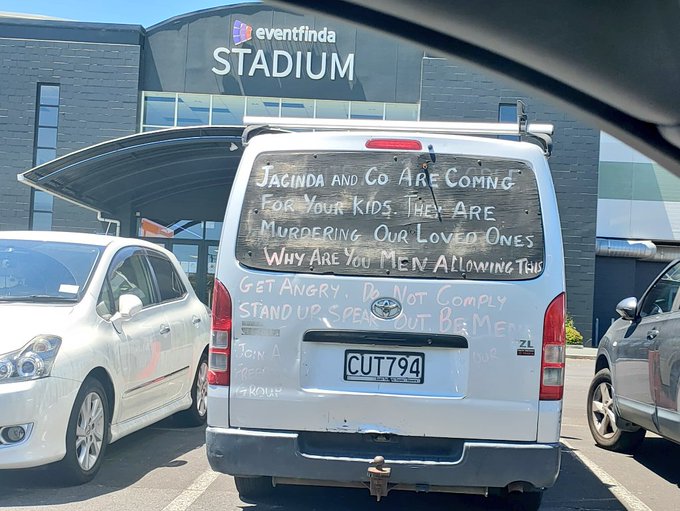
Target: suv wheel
x,y
602,417
252,488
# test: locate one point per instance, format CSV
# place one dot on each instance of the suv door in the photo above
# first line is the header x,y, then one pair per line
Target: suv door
x,y
636,360
664,371
144,337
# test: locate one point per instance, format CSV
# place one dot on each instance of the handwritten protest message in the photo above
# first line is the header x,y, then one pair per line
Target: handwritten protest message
x,y
389,214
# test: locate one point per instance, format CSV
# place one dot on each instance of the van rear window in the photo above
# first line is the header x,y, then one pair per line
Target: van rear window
x,y
392,214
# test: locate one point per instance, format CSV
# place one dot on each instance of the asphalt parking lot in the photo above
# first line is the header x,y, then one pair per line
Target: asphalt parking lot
x,y
164,468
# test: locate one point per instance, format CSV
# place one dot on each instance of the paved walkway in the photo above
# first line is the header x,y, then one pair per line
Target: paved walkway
x,y
581,352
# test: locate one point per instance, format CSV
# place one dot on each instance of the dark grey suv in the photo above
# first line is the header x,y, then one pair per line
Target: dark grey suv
x,y
637,374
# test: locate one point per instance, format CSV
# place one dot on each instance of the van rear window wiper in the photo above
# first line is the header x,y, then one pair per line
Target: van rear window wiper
x,y
425,167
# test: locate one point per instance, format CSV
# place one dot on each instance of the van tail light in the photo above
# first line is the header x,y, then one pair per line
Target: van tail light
x,y
394,143
220,344
552,358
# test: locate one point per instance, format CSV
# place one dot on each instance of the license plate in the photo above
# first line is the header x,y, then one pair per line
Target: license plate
x,y
384,366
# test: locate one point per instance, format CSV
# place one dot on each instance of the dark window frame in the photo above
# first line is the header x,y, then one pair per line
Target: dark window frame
x,y
37,125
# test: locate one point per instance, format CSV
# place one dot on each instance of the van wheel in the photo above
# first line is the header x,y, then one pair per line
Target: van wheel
x,y
602,417
86,436
197,413
524,500
252,488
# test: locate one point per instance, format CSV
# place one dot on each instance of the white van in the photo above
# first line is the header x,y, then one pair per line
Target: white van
x,y
389,313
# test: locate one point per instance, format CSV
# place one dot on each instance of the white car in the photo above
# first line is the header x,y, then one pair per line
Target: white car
x,y
101,336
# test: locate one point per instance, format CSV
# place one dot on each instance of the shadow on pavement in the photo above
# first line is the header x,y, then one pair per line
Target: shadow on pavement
x,y
125,462
576,488
660,456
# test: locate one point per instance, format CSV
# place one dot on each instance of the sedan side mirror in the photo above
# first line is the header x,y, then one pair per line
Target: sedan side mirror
x,y
627,308
128,306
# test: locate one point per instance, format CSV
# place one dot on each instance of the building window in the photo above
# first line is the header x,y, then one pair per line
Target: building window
x,y
44,150
507,112
161,110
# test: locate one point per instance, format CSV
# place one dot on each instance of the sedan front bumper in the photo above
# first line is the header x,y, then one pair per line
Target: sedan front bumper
x,y
45,405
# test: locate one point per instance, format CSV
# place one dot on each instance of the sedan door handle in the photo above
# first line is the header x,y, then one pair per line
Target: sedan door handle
x,y
165,329
651,335
195,320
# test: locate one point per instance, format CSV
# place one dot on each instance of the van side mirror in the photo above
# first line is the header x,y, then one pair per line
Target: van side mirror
x,y
128,306
627,308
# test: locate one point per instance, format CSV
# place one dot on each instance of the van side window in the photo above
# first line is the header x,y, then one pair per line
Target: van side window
x,y
662,295
131,276
169,283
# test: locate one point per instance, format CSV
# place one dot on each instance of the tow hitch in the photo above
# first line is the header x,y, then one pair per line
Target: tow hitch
x,y
378,477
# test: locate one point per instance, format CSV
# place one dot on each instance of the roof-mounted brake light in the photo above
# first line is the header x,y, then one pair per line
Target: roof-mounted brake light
x,y
394,143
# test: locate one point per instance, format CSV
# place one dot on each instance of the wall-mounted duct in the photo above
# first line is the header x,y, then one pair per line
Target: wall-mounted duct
x,y
639,249
665,254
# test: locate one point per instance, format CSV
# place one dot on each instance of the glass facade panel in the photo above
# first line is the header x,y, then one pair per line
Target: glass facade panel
x,y
225,110
42,221
332,109
159,109
213,230
44,150
507,112
268,107
187,230
42,201
49,95
43,155
228,110
193,110
48,116
401,112
187,255
297,108
366,110
47,137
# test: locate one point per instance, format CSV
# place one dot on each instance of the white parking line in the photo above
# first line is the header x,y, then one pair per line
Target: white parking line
x,y
195,490
630,501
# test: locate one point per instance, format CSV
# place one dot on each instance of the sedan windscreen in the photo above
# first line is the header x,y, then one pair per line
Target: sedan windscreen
x,y
392,214
45,270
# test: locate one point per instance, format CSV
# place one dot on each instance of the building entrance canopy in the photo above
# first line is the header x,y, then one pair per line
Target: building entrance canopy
x,y
173,174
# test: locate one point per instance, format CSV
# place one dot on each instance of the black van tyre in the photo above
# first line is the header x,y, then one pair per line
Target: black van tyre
x,y
524,500
604,430
87,433
254,487
197,413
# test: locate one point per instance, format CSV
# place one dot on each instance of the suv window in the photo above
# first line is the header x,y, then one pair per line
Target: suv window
x,y
131,276
661,296
169,282
392,214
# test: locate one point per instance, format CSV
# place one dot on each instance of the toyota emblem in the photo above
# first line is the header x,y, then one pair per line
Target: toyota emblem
x,y
386,308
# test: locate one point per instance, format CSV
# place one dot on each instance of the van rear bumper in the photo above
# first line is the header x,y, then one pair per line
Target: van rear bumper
x,y
485,464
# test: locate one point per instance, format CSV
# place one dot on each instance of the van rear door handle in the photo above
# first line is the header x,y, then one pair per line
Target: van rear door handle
x,y
651,335
195,320
165,329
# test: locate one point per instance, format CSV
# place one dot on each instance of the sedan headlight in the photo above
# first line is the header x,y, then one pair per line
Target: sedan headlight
x,y
33,361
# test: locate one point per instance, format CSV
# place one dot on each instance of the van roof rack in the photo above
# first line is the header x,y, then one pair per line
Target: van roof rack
x,y
542,133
